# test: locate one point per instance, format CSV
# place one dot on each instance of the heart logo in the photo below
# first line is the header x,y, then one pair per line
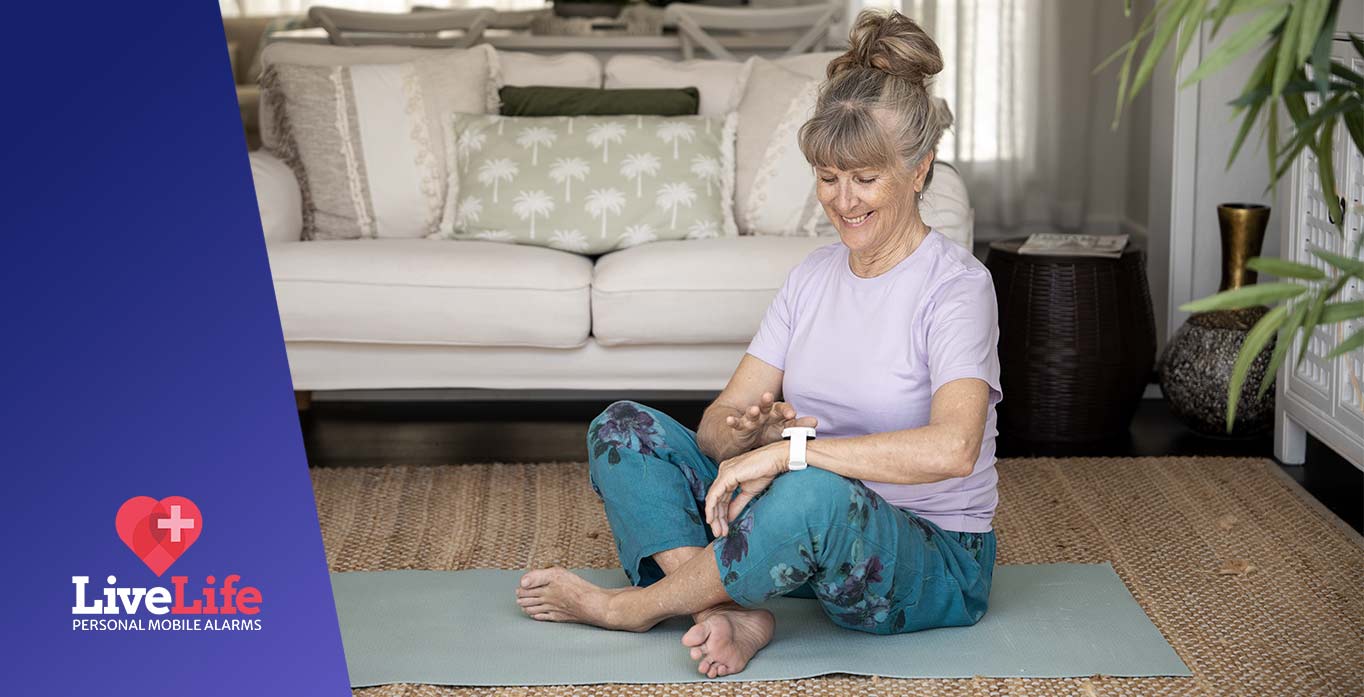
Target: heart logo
x,y
158,532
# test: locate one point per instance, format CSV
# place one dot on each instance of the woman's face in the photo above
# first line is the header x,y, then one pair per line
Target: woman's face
x,y
869,206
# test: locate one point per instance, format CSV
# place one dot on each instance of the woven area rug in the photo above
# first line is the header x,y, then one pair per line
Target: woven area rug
x,y
1257,587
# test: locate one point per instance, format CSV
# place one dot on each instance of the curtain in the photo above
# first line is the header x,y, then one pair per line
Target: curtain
x,y
1032,135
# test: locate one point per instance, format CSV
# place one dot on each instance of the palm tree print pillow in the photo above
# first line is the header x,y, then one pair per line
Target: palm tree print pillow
x,y
589,184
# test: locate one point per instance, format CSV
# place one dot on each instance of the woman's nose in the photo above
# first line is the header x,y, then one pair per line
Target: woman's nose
x,y
846,199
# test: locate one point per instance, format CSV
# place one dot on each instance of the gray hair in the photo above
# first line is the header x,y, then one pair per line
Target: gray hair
x,y
875,105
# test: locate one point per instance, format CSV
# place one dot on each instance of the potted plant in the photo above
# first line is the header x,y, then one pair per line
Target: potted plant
x,y
1293,41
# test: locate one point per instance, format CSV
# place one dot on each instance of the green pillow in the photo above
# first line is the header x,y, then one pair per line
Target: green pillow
x,y
587,101
589,184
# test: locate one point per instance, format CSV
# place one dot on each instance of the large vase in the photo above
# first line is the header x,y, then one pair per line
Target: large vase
x,y
1195,367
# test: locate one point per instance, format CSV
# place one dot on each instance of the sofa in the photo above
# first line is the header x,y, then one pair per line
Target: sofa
x,y
377,314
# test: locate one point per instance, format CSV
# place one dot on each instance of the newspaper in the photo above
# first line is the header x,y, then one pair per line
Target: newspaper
x,y
1051,244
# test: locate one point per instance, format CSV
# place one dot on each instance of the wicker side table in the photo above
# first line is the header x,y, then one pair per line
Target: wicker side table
x,y
1077,343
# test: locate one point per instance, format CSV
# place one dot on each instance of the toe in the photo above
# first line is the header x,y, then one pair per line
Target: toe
x,y
697,635
697,653
537,578
704,666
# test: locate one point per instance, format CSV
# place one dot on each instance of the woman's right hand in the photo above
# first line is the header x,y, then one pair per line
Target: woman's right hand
x,y
762,423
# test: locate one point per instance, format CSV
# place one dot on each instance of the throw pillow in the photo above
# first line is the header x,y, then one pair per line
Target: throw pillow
x,y
589,184
773,183
573,69
721,83
365,139
577,101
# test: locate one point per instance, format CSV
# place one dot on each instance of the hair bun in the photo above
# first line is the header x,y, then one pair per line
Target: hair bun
x,y
891,43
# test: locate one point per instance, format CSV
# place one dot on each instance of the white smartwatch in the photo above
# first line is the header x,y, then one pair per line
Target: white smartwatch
x,y
797,436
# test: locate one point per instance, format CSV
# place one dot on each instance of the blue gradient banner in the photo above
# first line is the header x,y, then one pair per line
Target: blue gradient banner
x,y
143,358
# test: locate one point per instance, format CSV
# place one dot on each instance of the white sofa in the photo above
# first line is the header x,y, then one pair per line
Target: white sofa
x,y
421,313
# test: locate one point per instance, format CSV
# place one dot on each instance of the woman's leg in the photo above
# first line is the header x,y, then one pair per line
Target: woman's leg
x,y
652,479
874,567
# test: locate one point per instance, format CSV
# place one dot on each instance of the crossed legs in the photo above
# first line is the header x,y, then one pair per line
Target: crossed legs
x,y
723,639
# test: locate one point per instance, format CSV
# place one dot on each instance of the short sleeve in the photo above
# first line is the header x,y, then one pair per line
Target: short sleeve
x,y
773,339
963,332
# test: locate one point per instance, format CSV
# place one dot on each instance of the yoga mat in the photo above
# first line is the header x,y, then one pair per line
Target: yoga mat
x,y
464,628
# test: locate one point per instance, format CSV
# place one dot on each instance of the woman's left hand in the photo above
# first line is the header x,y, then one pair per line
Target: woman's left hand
x,y
750,474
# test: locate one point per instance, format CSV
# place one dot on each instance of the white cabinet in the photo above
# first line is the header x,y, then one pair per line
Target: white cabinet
x,y
1319,396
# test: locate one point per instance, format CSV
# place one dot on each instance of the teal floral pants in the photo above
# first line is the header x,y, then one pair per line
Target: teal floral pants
x,y
812,534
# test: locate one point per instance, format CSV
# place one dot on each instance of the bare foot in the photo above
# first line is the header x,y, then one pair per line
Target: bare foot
x,y
558,595
725,637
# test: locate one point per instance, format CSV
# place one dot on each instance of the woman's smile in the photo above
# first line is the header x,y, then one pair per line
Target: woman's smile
x,y
857,221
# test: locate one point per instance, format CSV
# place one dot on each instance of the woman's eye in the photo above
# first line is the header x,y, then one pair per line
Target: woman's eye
x,y
866,181
827,180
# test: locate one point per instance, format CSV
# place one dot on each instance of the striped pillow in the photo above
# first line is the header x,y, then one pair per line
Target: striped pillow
x,y
365,140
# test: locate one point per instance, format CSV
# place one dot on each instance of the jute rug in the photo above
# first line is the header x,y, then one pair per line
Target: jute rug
x,y
1257,587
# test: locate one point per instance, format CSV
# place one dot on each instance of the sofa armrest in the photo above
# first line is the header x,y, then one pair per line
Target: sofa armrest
x,y
278,197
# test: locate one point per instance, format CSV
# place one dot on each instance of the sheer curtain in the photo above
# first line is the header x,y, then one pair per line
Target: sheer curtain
x,y
1031,133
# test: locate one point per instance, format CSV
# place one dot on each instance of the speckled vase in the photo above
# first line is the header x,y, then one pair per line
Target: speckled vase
x,y
1195,373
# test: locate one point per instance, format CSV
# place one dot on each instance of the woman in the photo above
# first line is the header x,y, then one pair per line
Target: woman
x,y
885,342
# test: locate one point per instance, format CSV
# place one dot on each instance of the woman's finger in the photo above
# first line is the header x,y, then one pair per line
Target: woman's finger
x,y
736,506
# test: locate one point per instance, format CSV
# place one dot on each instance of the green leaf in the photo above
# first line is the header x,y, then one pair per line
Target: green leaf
x,y
1326,174
1259,94
1285,269
1339,312
1346,74
1353,342
1318,304
1281,344
1352,267
1250,350
1309,29
1285,61
1354,125
1320,46
1246,123
1252,33
1190,30
1164,33
1246,296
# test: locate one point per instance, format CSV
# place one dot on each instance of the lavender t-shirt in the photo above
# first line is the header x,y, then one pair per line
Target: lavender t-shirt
x,y
865,355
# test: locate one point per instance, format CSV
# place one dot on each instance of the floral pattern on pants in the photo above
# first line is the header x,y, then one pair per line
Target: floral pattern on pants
x,y
813,534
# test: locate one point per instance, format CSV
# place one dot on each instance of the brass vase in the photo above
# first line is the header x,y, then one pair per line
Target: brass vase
x,y
1243,233
1195,367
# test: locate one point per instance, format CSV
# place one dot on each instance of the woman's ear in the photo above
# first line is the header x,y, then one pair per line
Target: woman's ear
x,y
921,172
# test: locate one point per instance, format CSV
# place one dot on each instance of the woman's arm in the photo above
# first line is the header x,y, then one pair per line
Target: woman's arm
x,y
947,447
746,414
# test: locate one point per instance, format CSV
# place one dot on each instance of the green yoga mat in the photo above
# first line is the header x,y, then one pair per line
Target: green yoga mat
x,y
464,628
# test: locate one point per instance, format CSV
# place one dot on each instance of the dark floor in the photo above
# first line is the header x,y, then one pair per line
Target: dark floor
x,y
338,434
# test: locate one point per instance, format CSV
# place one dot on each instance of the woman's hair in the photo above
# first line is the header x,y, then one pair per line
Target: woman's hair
x,y
875,106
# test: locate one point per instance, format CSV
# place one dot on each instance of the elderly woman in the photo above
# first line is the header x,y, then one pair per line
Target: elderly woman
x,y
884,343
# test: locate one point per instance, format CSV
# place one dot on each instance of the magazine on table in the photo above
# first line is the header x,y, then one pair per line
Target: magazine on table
x,y
1053,244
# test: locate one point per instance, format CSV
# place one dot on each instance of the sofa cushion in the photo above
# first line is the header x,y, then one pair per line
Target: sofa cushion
x,y
365,139
692,292
560,69
590,184
720,82
431,292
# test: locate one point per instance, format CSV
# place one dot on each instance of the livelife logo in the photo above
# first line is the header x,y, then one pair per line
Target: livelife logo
x,y
159,532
